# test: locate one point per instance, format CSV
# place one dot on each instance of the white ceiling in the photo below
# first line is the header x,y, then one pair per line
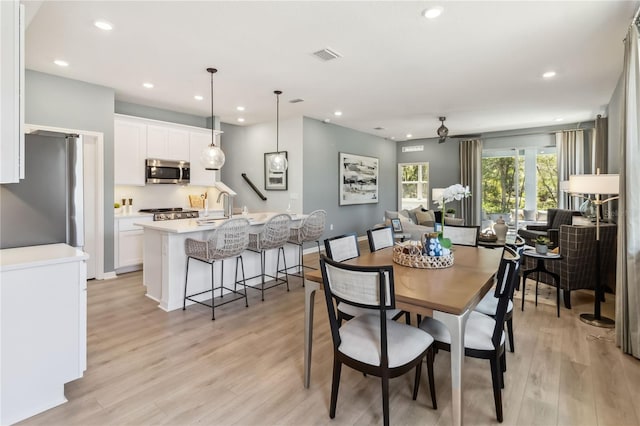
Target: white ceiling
x,y
479,64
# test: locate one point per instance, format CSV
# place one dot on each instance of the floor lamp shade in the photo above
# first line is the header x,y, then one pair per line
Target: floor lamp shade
x,y
436,194
594,184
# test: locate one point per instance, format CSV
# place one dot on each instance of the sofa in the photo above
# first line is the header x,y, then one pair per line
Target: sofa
x,y
577,268
555,219
419,220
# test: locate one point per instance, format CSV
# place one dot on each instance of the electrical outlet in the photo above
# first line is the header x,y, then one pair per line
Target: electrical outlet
x,y
331,227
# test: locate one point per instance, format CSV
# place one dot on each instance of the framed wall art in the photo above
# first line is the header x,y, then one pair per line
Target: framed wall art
x,y
358,179
274,180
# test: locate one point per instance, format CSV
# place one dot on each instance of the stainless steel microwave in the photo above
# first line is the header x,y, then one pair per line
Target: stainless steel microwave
x,y
166,171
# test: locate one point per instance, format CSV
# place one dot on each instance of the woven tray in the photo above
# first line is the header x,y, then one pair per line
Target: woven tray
x,y
408,255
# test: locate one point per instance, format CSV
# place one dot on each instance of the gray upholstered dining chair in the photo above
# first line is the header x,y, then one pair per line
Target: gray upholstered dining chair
x,y
372,343
311,229
227,241
273,235
488,305
345,247
380,238
484,336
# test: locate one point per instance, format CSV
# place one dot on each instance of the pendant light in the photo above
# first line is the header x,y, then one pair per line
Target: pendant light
x,y
278,162
212,157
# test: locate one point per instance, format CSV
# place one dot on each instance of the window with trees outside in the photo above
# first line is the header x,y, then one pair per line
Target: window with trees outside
x,y
519,185
413,185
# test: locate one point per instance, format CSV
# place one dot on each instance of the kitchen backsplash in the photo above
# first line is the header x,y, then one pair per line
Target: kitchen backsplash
x,y
157,196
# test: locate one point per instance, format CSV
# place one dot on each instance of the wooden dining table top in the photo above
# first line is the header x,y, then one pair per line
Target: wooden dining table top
x,y
452,290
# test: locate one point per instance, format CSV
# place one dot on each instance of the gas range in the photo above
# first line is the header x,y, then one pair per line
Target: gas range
x,y
171,213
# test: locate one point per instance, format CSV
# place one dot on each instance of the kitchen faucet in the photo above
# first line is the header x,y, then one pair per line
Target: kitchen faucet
x,y
228,207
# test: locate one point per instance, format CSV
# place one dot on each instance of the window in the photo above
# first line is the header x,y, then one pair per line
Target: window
x,y
519,184
413,185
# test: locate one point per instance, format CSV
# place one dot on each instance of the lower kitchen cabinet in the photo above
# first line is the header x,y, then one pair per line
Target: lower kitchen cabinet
x,y
129,241
43,323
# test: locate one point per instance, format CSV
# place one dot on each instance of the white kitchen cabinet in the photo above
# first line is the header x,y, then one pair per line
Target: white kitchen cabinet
x,y
167,143
198,140
11,91
43,311
129,241
130,150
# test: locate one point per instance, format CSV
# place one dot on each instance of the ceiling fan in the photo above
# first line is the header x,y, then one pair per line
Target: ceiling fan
x,y
443,132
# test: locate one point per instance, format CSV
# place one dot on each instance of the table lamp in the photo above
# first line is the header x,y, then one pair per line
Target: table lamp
x,y
606,184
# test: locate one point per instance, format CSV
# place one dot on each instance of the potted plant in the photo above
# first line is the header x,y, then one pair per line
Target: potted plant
x,y
451,212
542,245
116,208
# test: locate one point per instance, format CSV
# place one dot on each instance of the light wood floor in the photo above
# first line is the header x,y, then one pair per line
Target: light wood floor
x,y
149,367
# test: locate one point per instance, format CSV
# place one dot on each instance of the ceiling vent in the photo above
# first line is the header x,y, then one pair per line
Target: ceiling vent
x,y
327,54
295,101
378,128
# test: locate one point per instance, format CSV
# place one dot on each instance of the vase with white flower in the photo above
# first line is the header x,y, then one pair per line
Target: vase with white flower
x,y
454,192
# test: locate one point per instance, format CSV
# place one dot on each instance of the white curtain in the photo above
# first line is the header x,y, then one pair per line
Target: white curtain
x,y
471,175
571,161
628,265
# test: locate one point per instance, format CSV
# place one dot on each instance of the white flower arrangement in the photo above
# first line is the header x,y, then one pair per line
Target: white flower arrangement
x,y
451,193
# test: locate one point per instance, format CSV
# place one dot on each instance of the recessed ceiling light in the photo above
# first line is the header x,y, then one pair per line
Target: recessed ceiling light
x,y
240,119
240,108
432,12
393,138
327,120
409,135
103,25
148,85
559,119
61,63
198,97
337,113
549,74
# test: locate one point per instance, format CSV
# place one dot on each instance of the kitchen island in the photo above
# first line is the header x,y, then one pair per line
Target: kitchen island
x,y
165,262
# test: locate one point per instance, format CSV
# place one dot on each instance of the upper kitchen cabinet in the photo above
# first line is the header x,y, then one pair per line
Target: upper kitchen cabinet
x,y
130,151
167,143
198,140
11,91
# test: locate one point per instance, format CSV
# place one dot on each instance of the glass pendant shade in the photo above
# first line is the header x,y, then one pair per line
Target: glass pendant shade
x,y
212,157
279,163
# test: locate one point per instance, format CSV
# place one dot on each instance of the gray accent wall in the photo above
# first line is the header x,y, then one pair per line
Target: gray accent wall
x,y
614,114
159,114
322,144
72,104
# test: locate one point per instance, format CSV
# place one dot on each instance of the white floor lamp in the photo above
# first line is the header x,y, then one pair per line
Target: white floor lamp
x,y
598,185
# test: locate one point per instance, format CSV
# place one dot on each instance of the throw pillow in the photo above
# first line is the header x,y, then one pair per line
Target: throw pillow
x,y
407,214
426,218
529,214
438,215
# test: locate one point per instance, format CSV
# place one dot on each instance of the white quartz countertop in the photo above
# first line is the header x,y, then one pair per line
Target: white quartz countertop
x,y
183,226
48,254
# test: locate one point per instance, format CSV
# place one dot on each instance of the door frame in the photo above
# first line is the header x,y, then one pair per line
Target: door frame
x,y
98,190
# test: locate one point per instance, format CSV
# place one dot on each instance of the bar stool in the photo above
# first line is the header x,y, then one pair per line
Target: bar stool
x,y
311,229
228,240
273,235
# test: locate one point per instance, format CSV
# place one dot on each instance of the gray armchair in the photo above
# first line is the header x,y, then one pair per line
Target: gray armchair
x,y
577,268
555,218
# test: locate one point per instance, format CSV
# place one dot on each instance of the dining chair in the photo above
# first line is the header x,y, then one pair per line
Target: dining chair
x,y
379,238
484,336
345,247
273,235
462,235
372,343
489,303
227,241
311,229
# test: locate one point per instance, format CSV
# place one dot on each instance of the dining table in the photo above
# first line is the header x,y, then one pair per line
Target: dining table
x,y
446,294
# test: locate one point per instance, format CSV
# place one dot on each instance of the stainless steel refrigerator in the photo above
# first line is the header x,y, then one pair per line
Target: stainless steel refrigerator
x,y
47,206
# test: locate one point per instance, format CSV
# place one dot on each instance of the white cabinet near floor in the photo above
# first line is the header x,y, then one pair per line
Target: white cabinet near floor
x,y
198,141
128,242
130,151
167,143
43,312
